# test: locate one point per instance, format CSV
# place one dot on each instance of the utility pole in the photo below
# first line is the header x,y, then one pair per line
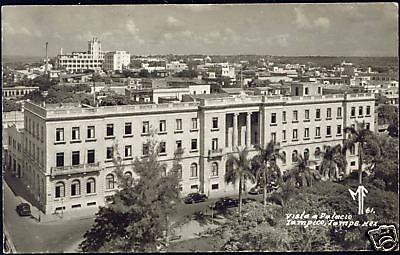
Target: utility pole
x,y
46,60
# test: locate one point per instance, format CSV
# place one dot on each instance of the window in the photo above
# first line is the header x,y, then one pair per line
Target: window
x,y
179,144
193,170
214,169
110,153
353,112
328,113
294,156
352,163
194,123
75,133
60,190
60,159
75,158
214,144
128,128
145,149
178,124
110,130
296,93
367,126
368,111
90,132
284,135
307,114
75,188
90,156
273,118
215,123
163,148
339,129
194,144
306,91
295,115
294,134
163,126
59,134
328,131
319,90
360,111
317,153
214,186
128,151
318,114
339,112
306,154
145,127
317,131
306,133
110,181
283,157
91,186
284,116
273,137
163,171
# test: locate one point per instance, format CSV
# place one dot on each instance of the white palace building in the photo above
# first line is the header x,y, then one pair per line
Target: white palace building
x,y
64,153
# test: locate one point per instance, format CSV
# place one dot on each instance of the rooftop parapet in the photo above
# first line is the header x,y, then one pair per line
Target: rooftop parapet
x,y
76,111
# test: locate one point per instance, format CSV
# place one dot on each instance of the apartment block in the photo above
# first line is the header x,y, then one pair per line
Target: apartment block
x,y
68,150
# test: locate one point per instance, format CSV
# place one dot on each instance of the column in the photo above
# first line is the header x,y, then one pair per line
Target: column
x,y
235,130
248,130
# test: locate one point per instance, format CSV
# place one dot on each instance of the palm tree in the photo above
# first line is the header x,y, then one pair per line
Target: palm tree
x,y
332,161
240,169
267,165
301,174
357,135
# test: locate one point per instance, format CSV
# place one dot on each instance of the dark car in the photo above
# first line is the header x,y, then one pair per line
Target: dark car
x,y
256,190
24,209
195,198
226,202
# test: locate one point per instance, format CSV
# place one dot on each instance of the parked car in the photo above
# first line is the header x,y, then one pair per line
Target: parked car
x,y
195,198
256,190
226,202
24,209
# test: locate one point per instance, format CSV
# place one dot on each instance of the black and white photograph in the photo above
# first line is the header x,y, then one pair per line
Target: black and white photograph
x,y
263,127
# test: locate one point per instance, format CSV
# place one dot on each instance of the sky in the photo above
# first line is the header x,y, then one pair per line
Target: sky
x,y
264,29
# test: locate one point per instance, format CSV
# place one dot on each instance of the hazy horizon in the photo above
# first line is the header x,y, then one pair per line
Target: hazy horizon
x,y
287,30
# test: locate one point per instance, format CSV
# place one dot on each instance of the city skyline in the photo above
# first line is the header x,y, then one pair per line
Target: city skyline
x,y
368,30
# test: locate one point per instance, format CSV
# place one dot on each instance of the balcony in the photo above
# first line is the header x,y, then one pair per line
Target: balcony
x,y
214,153
68,170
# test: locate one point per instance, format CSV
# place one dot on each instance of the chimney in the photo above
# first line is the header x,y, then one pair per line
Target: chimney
x,y
61,51
46,59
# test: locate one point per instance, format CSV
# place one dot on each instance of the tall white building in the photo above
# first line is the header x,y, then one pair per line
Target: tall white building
x,y
82,60
116,60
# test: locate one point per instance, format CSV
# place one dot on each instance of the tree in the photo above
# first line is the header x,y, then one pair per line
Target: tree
x,y
240,168
137,221
359,135
332,162
301,174
267,165
11,105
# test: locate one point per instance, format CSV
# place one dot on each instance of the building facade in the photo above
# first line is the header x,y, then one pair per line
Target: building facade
x,y
68,150
79,61
116,61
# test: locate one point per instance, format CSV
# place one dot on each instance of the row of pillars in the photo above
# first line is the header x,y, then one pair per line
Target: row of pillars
x,y
235,140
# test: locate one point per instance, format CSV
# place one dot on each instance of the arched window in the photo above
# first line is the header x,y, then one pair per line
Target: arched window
x,y
317,153
283,157
129,177
75,188
193,170
91,186
294,156
214,169
60,190
306,154
110,181
128,174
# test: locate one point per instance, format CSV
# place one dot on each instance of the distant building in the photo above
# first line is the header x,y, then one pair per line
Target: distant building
x,y
18,91
79,61
176,66
116,61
